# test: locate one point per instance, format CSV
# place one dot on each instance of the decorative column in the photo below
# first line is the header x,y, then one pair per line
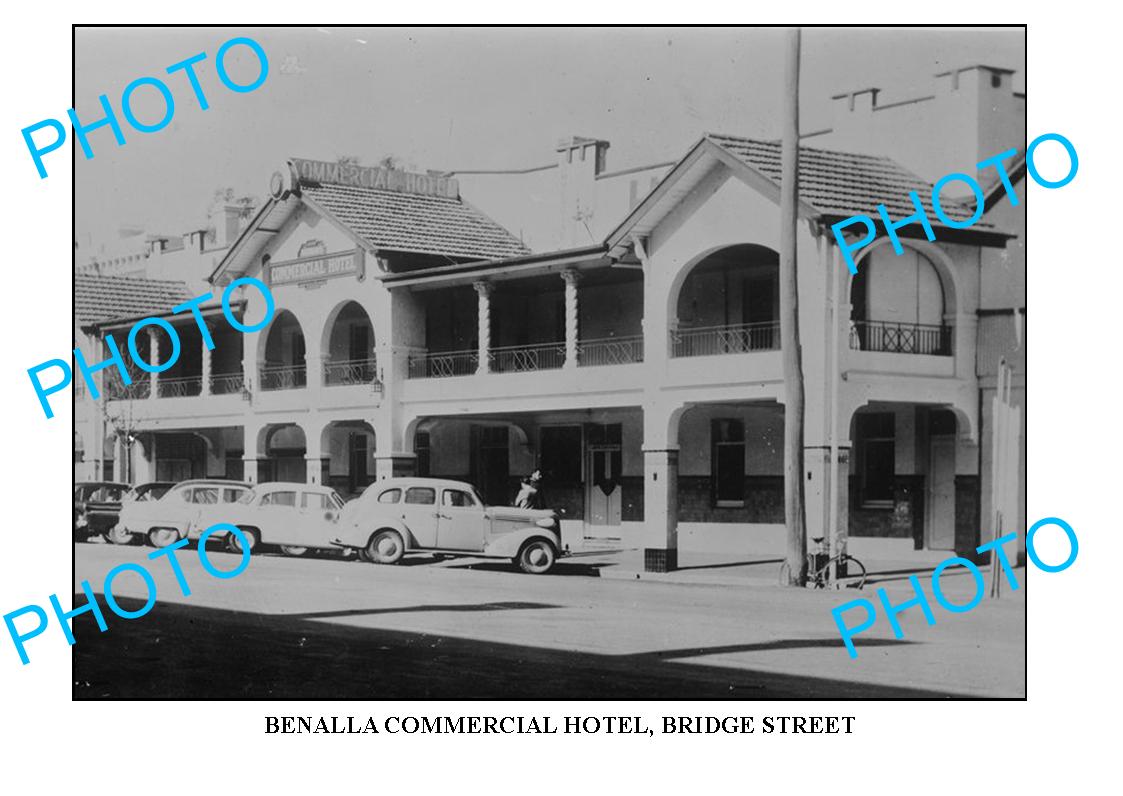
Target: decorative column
x,y
571,278
483,290
153,358
206,360
313,454
250,433
660,510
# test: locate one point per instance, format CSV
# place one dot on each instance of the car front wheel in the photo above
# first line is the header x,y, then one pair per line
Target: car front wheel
x,y
386,547
118,535
537,557
162,537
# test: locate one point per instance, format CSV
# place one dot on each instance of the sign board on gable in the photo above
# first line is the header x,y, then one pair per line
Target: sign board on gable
x,y
376,177
308,269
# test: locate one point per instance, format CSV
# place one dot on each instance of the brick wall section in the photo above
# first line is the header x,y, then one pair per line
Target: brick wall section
x,y
905,520
764,501
631,508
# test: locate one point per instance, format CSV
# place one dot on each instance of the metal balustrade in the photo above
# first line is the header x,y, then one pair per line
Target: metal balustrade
x,y
610,351
520,358
182,387
729,339
227,383
350,371
443,364
119,391
901,338
288,377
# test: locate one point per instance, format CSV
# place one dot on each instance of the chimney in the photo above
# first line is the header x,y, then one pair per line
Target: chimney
x,y
227,223
580,160
981,100
854,107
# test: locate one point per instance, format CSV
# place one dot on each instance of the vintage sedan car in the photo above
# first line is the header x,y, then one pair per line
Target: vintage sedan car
x,y
97,504
169,519
153,490
297,517
405,515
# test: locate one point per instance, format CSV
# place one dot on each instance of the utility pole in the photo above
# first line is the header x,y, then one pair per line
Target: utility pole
x,y
794,514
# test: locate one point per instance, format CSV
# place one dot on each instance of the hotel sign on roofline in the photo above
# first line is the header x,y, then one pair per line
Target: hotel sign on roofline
x,y
376,177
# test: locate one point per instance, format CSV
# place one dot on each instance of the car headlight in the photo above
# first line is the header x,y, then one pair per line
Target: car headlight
x,y
545,522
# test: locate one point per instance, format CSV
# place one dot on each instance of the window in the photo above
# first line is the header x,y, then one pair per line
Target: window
x,y
279,499
876,443
421,495
205,494
390,496
315,500
421,447
728,455
232,495
560,454
457,498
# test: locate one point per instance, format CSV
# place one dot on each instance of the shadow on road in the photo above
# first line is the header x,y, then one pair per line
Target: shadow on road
x,y
410,609
179,651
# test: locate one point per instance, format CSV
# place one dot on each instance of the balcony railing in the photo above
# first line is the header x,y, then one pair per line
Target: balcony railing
x,y
519,358
901,338
180,387
733,339
350,371
286,377
227,383
610,351
118,391
442,364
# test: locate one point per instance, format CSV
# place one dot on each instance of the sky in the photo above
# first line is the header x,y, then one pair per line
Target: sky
x,y
462,98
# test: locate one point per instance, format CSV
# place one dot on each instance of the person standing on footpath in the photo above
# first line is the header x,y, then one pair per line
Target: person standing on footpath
x,y
530,492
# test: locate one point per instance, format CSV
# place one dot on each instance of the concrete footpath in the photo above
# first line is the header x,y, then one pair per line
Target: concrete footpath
x,y
763,571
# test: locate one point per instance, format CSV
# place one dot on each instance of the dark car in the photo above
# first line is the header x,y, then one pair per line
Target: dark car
x,y
97,505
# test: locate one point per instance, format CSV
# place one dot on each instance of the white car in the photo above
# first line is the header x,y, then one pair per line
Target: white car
x,y
402,515
180,510
297,517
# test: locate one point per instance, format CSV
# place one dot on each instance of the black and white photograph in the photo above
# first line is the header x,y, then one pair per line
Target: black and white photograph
x,y
549,363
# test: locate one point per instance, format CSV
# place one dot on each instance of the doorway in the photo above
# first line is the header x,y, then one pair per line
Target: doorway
x,y
491,464
603,486
941,494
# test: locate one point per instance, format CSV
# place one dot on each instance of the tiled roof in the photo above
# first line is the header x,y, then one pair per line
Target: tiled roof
x,y
415,222
846,184
104,298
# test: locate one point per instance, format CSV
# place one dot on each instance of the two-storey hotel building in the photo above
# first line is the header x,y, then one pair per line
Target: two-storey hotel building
x,y
633,357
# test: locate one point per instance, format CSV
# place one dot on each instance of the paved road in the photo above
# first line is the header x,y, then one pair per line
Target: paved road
x,y
321,628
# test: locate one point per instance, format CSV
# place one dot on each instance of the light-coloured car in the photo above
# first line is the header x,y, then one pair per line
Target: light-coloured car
x,y
180,510
403,515
297,517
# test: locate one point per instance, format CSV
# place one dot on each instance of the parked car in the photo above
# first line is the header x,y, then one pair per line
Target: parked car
x,y
153,490
297,517
169,519
97,504
404,515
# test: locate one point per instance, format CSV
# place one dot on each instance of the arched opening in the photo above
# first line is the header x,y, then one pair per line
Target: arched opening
x,y
349,347
283,366
285,447
348,447
899,305
911,477
729,303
